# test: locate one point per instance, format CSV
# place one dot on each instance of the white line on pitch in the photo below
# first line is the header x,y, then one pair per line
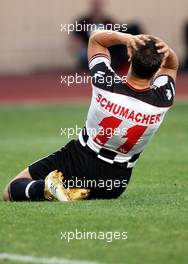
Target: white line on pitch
x,y
42,260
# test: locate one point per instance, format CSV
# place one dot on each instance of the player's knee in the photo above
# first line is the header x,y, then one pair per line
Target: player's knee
x,y
23,174
6,195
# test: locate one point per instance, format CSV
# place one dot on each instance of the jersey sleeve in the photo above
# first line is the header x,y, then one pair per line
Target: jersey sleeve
x,y
165,88
102,74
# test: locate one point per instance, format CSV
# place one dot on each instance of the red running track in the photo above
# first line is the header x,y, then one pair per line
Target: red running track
x,y
48,88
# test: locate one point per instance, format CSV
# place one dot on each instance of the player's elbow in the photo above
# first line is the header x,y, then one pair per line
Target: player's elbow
x,y
96,35
93,36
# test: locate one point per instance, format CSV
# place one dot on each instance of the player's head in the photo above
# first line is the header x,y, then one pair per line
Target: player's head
x,y
145,61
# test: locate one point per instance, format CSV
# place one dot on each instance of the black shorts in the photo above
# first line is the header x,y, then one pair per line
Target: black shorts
x,y
82,168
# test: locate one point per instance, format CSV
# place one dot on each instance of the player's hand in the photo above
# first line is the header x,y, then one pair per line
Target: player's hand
x,y
134,41
162,47
141,39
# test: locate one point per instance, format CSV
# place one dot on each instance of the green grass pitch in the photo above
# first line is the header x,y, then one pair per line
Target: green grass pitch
x,y
153,210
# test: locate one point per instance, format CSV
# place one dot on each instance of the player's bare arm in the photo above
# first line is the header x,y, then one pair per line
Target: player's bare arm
x,y
100,41
170,62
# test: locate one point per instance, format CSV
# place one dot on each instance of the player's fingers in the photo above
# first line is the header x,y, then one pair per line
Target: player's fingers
x,y
129,51
162,47
159,40
164,58
163,50
139,40
144,37
166,54
160,44
133,44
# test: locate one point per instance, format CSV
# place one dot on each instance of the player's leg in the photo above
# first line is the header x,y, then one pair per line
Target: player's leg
x,y
23,174
23,187
44,179
105,180
112,180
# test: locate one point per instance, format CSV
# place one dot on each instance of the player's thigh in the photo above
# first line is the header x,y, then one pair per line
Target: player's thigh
x,y
23,174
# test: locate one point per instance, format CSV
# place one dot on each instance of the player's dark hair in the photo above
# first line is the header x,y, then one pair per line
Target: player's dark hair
x,y
146,60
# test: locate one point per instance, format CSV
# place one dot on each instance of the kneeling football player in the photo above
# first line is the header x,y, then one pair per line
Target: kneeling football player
x,y
132,109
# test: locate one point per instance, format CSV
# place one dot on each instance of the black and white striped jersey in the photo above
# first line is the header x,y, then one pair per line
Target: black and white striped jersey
x,y
122,120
